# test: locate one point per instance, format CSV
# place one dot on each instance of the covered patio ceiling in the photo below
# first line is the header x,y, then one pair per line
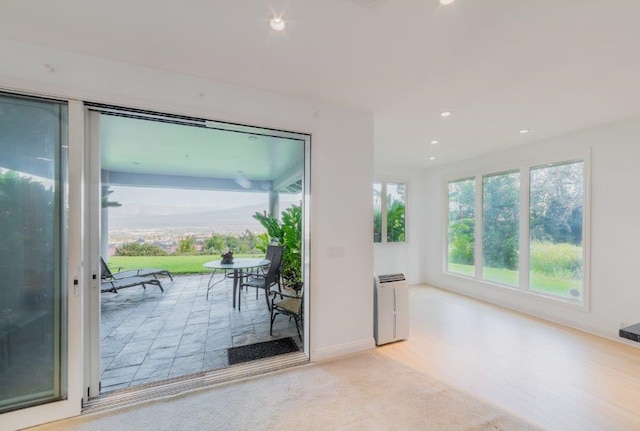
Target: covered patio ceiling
x,y
207,156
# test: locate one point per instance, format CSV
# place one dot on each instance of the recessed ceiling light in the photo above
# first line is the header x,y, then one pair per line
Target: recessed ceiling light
x,y
445,113
277,23
432,158
523,131
446,2
434,142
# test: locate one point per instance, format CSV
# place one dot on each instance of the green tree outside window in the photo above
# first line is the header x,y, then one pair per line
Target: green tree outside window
x,y
389,212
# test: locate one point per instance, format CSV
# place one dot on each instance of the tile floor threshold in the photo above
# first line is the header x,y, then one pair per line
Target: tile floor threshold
x,y
153,391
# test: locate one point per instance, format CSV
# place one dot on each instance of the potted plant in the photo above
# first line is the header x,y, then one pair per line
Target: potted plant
x,y
287,233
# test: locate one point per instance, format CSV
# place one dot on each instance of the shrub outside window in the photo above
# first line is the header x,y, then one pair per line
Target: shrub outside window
x,y
377,212
395,212
462,219
389,211
500,227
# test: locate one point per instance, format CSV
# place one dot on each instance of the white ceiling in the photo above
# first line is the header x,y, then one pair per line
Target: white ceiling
x,y
499,65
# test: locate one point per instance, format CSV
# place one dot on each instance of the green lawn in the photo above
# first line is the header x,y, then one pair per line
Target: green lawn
x,y
539,282
501,275
193,265
174,264
461,269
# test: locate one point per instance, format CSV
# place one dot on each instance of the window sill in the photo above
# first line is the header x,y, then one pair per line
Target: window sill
x,y
573,304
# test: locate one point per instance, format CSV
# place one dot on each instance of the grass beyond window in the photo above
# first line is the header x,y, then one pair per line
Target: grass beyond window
x,y
460,268
562,287
174,264
557,286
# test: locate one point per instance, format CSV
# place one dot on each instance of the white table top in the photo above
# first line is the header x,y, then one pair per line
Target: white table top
x,y
238,263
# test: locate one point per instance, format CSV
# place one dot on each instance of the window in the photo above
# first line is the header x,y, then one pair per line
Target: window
x,y
389,212
547,231
461,244
500,222
555,229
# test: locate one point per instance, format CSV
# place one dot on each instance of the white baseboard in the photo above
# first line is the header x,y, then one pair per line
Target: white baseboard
x,y
343,349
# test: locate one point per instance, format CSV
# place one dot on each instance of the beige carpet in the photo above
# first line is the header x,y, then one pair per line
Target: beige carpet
x,y
361,392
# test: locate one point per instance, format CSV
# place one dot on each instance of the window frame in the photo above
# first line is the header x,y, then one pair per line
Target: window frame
x,y
384,209
524,167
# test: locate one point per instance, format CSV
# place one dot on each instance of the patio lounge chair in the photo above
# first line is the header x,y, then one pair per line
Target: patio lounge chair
x,y
144,272
114,284
112,281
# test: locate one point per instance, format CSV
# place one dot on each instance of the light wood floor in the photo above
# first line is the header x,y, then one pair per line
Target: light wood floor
x,y
555,377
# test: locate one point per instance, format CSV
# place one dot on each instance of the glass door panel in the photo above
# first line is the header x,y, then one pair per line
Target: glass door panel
x,y
33,143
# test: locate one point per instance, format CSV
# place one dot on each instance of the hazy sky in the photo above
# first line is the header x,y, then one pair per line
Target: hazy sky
x,y
182,201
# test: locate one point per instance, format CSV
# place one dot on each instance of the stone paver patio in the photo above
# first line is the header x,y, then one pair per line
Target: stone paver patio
x,y
148,336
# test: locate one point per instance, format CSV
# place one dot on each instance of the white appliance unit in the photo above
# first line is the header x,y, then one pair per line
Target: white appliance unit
x,y
391,308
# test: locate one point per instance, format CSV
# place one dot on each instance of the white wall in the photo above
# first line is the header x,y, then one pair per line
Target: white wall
x,y
341,247
341,168
407,257
615,229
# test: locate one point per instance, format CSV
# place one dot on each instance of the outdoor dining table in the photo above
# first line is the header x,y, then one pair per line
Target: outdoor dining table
x,y
238,267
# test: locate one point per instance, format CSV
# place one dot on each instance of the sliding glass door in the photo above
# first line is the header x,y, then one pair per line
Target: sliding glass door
x,y
175,193
33,224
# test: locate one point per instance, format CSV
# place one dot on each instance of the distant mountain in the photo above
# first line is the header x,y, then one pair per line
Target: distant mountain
x,y
225,220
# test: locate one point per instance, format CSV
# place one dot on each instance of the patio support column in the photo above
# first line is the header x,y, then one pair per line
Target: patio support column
x,y
104,228
274,204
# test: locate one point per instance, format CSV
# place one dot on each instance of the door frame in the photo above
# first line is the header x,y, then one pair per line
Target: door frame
x,y
93,226
92,362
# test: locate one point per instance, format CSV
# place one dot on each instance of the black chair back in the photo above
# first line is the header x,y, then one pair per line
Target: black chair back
x,y
274,254
270,250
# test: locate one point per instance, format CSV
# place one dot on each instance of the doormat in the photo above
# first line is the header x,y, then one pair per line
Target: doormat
x,y
266,349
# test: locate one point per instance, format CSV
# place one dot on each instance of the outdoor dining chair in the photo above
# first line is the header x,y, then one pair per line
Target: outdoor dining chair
x,y
260,272
289,304
270,278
